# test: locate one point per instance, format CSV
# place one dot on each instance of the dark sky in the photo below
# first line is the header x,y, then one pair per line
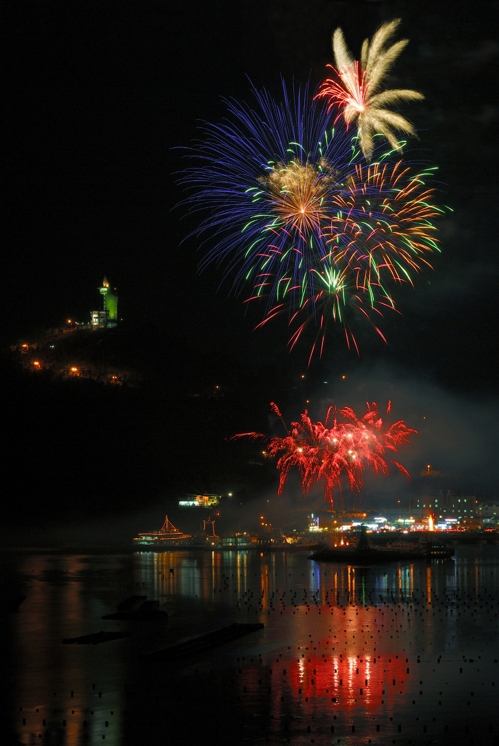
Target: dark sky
x,y
99,95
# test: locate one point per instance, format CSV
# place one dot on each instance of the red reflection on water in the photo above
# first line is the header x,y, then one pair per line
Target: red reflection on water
x,y
352,680
326,681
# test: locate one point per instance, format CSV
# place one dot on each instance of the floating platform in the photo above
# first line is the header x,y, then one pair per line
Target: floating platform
x,y
137,608
204,642
95,638
365,554
375,556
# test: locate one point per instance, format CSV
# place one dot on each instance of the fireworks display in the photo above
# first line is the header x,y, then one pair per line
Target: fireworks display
x,y
380,233
355,88
337,449
267,180
301,220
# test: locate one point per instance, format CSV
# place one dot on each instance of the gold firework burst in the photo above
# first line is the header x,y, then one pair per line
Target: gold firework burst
x,y
299,192
357,89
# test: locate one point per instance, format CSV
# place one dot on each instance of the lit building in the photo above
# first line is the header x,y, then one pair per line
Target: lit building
x,y
108,316
199,501
489,512
448,504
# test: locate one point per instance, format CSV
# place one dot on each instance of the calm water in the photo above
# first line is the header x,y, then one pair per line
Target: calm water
x,y
404,653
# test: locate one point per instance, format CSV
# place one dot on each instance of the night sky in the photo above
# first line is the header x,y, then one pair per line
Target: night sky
x,y
101,96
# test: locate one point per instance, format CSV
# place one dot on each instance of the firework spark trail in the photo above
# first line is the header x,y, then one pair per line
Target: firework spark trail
x,y
330,451
301,219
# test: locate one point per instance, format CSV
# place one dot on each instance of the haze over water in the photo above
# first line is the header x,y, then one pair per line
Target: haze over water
x,y
405,653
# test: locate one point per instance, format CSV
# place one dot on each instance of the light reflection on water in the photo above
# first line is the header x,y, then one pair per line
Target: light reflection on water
x,y
399,653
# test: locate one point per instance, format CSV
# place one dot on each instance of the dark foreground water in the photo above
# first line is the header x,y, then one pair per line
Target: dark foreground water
x,y
399,654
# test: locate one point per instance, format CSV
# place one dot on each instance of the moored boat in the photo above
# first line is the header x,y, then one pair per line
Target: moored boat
x,y
166,538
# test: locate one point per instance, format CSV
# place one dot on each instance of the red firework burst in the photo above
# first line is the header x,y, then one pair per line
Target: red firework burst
x,y
330,450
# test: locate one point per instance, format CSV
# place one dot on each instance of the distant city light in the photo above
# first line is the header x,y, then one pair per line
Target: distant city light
x,y
199,501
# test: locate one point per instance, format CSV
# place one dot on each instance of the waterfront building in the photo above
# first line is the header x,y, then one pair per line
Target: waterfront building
x,y
448,505
489,513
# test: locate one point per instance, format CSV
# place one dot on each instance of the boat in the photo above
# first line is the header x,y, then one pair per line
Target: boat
x,y
168,537
365,554
275,542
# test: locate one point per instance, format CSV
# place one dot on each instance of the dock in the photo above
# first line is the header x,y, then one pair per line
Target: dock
x,y
204,642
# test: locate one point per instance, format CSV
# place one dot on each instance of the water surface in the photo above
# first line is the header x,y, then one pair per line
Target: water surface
x,y
405,653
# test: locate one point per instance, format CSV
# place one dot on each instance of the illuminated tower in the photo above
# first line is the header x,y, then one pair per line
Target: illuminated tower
x,y
110,300
108,316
